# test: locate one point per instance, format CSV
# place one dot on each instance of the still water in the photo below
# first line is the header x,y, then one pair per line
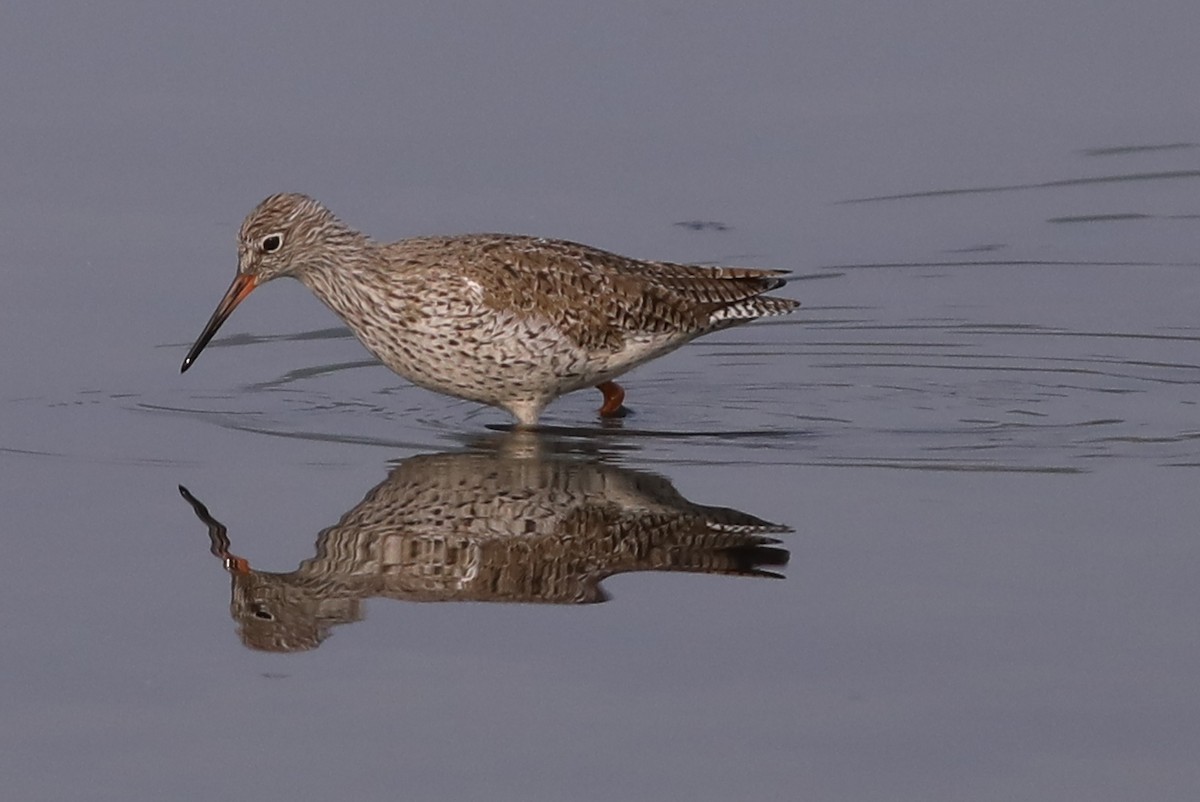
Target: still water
x,y
932,537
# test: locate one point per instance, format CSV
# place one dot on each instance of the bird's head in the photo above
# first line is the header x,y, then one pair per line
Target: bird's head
x,y
285,235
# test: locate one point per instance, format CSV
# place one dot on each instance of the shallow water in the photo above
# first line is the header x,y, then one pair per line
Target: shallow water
x,y
976,441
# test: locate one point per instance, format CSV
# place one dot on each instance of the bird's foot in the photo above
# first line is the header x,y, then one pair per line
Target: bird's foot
x,y
614,398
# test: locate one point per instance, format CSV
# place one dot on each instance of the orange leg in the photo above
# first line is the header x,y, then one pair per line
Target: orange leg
x,y
614,397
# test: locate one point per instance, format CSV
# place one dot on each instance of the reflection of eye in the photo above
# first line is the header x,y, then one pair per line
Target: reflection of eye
x,y
271,243
263,614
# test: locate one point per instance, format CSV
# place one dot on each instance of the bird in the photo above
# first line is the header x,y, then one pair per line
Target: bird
x,y
506,320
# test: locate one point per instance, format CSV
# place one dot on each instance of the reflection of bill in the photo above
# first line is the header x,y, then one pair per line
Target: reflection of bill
x,y
489,527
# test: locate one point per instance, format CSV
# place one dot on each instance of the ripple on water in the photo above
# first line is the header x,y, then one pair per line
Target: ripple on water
x,y
897,384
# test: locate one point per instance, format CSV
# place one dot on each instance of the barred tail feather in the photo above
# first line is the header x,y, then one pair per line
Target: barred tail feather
x,y
751,309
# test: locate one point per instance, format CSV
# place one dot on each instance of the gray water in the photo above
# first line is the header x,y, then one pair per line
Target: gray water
x,y
976,442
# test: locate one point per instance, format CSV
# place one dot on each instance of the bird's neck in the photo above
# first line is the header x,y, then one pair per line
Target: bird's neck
x,y
345,279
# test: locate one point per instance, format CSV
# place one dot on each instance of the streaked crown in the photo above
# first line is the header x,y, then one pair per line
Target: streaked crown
x,y
289,232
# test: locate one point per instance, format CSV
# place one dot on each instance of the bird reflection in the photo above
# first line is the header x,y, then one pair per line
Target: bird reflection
x,y
503,525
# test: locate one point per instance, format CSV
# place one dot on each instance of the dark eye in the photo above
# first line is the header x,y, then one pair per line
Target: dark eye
x,y
271,243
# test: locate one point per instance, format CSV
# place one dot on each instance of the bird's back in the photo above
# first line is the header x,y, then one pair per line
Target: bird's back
x,y
594,297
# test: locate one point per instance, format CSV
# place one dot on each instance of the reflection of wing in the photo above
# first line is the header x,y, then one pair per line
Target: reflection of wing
x,y
489,527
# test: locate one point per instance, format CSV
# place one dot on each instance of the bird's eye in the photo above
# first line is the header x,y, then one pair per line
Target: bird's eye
x,y
271,243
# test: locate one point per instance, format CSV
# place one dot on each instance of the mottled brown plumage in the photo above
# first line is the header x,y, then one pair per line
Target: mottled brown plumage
x,y
498,527
505,320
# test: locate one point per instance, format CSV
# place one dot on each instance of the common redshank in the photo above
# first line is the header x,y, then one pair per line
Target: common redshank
x,y
506,320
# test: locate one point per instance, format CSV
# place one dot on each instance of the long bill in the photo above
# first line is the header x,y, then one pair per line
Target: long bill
x,y
242,285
